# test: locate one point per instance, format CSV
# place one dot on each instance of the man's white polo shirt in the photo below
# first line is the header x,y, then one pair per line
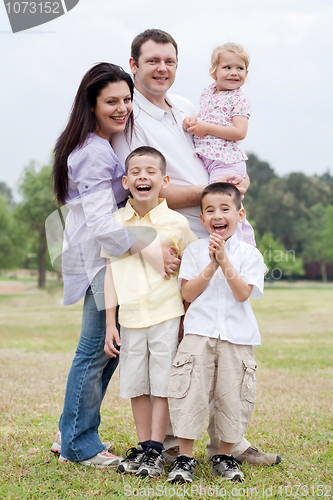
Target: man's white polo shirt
x,y
215,312
164,131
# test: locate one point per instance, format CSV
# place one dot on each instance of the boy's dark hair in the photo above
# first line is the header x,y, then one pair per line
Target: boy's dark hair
x,y
157,36
147,151
223,188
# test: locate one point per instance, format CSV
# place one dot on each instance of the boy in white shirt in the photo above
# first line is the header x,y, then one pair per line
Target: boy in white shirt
x,y
150,308
218,275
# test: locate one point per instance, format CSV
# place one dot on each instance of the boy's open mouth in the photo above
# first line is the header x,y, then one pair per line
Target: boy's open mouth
x,y
220,228
143,187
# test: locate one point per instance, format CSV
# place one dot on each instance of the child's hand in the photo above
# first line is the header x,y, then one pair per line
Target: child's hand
x,y
198,129
217,246
187,122
111,336
211,253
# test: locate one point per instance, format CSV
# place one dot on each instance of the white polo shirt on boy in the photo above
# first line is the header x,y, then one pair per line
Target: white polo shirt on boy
x,y
215,312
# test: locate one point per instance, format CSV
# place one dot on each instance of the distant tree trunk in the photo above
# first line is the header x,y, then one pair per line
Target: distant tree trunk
x,y
323,271
42,261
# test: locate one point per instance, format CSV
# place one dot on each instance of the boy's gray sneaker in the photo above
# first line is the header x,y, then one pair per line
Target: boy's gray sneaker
x,y
182,469
152,464
133,460
227,467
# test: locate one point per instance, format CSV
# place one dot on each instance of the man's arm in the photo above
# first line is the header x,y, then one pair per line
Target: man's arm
x,y
179,196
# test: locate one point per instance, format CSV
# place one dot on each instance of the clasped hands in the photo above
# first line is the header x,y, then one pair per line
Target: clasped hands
x,y
216,249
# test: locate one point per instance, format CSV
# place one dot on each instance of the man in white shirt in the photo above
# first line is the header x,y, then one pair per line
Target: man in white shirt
x,y
158,119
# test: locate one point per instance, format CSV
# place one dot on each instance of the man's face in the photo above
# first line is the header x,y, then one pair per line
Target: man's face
x,y
156,69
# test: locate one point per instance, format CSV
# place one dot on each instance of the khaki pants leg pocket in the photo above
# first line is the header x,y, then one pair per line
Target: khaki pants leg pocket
x,y
180,378
248,391
187,413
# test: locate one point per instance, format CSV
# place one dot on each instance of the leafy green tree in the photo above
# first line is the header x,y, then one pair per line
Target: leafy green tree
x,y
327,179
13,237
308,191
6,193
283,202
327,234
275,211
260,173
38,202
309,231
280,262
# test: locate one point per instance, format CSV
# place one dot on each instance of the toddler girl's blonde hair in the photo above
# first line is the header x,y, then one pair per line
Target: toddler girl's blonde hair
x,y
228,47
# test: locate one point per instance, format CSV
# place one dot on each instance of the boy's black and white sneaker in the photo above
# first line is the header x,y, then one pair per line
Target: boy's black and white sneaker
x,y
133,460
182,469
227,467
152,464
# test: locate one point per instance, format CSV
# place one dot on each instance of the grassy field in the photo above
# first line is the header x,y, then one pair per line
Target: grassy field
x,y
293,414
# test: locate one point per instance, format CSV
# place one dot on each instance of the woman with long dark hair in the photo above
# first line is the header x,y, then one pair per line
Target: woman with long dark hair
x,y
88,179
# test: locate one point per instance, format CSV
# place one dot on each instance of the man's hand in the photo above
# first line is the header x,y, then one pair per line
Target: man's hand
x,y
187,122
199,129
111,336
163,259
241,183
171,261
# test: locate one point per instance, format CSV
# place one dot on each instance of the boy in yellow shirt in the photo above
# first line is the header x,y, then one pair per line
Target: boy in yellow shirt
x,y
150,308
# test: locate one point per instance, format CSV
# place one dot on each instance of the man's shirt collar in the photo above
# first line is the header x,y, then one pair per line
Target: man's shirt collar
x,y
149,107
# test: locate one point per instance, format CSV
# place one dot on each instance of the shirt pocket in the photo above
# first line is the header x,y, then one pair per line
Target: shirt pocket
x,y
248,389
180,379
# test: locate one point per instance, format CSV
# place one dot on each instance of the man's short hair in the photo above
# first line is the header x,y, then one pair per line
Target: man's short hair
x,y
223,188
147,151
157,36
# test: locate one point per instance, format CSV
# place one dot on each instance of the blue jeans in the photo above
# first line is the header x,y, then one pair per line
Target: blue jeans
x,y
87,381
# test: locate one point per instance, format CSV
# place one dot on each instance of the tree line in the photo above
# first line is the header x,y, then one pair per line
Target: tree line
x,y
292,217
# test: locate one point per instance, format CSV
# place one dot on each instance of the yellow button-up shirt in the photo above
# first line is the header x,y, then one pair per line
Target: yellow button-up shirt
x,y
144,296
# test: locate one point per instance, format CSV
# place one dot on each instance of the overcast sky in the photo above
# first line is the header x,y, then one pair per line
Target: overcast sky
x,y
289,84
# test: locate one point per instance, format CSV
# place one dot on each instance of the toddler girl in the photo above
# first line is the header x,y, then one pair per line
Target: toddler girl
x,y
223,119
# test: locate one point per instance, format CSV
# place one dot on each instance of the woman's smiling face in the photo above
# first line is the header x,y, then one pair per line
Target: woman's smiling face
x,y
112,109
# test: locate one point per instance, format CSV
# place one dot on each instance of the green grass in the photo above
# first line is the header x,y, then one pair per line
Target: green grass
x,y
293,413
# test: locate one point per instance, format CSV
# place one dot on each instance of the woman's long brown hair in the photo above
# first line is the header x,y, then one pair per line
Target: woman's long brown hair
x,y
82,121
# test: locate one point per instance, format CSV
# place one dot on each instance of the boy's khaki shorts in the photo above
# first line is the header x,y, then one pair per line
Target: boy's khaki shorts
x,y
146,357
204,368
